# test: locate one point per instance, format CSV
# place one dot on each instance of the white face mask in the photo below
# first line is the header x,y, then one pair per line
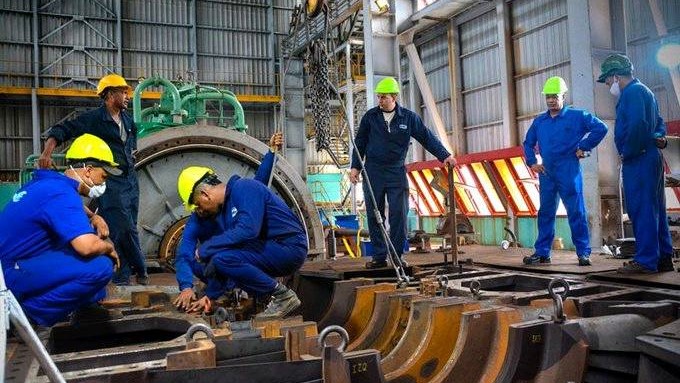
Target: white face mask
x,y
615,90
95,191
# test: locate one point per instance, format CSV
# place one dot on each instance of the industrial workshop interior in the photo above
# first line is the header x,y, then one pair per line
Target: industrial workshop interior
x,y
340,191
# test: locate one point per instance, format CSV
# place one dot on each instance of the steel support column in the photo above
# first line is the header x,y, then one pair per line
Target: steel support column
x,y
193,65
35,114
294,116
583,94
119,38
349,109
455,81
506,73
380,45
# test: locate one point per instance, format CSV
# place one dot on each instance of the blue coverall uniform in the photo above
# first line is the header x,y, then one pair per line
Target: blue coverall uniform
x,y
558,139
41,268
198,230
120,204
385,148
637,122
258,237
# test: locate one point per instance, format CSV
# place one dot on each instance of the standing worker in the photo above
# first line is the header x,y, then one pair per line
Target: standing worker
x,y
639,135
383,138
256,237
120,205
53,261
564,136
198,230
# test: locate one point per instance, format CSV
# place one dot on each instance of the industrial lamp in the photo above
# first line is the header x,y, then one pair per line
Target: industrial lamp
x,y
669,55
383,5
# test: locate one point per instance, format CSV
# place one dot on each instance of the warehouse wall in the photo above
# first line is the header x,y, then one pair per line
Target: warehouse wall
x,y
230,44
540,49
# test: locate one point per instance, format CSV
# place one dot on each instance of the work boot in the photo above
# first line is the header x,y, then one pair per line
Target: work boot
x,y
535,259
282,303
633,267
376,264
143,279
665,264
584,260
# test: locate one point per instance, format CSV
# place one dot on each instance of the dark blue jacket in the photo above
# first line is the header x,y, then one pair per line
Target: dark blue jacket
x,y
385,147
198,230
637,121
98,122
559,137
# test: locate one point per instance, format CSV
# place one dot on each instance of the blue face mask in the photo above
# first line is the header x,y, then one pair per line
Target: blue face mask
x,y
95,191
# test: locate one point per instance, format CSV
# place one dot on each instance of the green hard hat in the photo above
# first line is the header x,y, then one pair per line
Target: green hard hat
x,y
388,85
615,64
555,85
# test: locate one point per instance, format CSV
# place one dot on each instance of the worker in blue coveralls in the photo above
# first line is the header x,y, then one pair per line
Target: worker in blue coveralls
x,y
564,136
383,139
51,247
120,205
257,237
639,134
198,230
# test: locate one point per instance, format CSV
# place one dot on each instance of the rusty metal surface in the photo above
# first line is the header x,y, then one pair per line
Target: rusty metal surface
x,y
197,354
397,320
379,317
363,307
342,301
481,346
438,343
543,351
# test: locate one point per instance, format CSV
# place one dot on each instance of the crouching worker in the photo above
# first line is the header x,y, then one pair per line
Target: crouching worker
x,y
52,255
248,237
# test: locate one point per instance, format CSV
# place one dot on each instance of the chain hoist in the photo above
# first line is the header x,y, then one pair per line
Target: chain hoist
x,y
320,93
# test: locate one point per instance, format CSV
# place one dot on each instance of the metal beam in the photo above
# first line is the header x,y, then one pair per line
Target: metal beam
x,y
380,45
455,82
428,97
583,94
72,92
192,40
506,73
119,38
35,112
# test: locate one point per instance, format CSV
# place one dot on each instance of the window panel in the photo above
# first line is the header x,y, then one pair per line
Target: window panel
x,y
487,186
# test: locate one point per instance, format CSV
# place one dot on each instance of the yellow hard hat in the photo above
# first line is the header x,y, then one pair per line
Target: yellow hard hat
x,y
111,81
92,150
388,85
555,85
187,181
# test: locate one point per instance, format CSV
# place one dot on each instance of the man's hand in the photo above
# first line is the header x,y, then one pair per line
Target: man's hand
x,y
276,142
203,305
450,160
354,175
661,142
184,299
99,224
45,159
114,258
538,168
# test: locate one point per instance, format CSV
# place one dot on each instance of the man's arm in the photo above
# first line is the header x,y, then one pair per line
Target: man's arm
x,y
90,245
185,253
58,134
529,145
361,141
249,201
638,132
596,129
429,141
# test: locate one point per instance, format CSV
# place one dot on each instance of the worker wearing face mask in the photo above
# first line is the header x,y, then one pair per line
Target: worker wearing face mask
x,y
639,135
52,250
563,135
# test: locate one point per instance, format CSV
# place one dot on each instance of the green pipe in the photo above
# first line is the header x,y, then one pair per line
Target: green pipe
x,y
154,81
156,109
239,116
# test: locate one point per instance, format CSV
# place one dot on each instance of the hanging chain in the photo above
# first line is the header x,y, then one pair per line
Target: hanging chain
x,y
320,93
